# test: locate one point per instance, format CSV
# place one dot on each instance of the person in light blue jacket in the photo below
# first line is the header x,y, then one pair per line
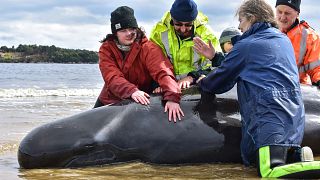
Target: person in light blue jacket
x,y
263,66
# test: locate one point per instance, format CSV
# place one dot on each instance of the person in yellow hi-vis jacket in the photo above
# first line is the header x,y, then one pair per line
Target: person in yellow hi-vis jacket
x,y
175,34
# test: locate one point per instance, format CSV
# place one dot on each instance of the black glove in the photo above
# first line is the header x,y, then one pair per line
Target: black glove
x,y
217,59
197,74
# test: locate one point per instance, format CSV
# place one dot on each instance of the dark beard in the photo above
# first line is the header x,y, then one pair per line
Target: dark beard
x,y
184,35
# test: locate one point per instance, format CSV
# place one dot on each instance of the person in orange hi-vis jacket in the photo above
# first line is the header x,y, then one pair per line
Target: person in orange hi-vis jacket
x,y
305,41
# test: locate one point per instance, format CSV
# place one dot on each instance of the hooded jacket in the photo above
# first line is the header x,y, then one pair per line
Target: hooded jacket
x,y
262,63
180,52
144,63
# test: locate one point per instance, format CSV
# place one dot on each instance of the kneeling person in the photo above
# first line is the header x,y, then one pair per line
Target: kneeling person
x,y
262,64
129,62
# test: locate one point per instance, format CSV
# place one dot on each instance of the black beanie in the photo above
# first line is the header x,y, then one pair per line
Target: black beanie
x,y
184,10
295,4
122,18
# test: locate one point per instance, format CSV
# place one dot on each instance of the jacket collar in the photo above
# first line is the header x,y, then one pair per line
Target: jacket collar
x,y
125,63
296,22
256,27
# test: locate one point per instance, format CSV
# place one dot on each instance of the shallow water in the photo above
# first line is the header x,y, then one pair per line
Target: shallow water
x,y
34,94
26,113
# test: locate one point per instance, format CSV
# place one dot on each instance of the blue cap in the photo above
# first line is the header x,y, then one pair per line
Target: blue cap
x,y
184,10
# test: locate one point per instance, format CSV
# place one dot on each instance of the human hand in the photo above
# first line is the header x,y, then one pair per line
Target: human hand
x,y
200,78
185,82
207,50
157,90
174,111
141,97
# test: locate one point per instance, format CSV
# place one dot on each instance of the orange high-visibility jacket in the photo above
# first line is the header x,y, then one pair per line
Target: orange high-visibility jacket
x,y
306,44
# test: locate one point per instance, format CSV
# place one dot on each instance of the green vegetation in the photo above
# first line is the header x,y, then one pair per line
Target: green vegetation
x,y
46,54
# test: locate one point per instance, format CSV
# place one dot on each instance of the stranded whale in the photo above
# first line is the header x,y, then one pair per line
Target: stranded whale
x,y
209,132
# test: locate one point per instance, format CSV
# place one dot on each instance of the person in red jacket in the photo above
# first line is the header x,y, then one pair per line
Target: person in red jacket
x,y
305,41
129,63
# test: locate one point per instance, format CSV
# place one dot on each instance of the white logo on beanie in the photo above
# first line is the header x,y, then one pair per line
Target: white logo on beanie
x,y
289,1
118,26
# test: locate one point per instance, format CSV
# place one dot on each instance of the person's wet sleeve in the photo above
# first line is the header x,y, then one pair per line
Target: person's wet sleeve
x,y
227,74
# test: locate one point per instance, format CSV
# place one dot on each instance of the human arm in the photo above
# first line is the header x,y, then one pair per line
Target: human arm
x,y
227,74
115,81
204,49
161,71
216,62
207,45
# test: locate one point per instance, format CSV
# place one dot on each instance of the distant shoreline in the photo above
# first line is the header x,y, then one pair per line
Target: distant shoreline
x,y
46,54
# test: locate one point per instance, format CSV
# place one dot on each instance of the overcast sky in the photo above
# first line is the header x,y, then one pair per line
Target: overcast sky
x,y
80,24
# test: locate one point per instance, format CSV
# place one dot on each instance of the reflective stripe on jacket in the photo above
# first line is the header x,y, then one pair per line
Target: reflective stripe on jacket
x,y
306,44
181,52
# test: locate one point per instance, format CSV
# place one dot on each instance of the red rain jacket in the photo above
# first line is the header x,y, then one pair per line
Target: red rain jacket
x,y
143,63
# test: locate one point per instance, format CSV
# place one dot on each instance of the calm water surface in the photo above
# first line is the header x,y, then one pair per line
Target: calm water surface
x,y
35,94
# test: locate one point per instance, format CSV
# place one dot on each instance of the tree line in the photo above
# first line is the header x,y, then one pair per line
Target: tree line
x,y
45,54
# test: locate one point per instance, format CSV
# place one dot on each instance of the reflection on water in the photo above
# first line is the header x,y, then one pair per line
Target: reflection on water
x,y
145,171
19,116
9,169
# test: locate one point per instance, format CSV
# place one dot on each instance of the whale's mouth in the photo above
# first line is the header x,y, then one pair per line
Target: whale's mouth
x,y
94,158
44,160
103,154
87,155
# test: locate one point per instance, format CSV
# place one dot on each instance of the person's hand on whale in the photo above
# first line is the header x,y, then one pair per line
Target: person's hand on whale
x,y
200,78
174,111
141,97
158,90
185,82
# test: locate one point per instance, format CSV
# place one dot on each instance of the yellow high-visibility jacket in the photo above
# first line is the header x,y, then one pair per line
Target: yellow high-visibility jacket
x,y
181,52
